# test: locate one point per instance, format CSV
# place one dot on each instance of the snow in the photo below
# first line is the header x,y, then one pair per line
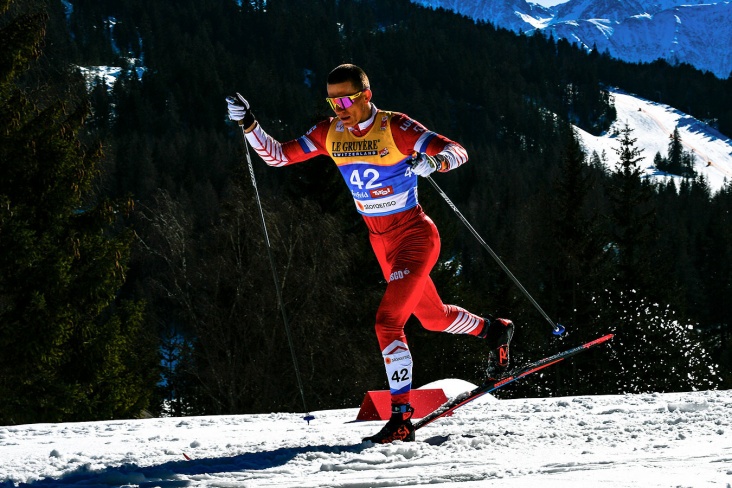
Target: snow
x,y
548,3
653,124
603,25
698,32
534,22
649,440
108,74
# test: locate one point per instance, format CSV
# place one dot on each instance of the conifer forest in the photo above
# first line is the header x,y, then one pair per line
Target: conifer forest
x,y
134,276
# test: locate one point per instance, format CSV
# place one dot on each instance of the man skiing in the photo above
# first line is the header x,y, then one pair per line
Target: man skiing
x,y
380,154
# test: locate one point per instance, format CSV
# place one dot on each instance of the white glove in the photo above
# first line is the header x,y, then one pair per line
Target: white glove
x,y
424,165
240,110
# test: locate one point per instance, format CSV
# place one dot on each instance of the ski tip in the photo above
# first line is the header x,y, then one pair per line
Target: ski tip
x,y
558,330
308,418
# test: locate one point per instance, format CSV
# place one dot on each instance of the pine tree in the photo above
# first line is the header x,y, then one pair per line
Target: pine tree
x,y
655,349
632,214
68,349
679,161
660,162
578,262
717,267
675,152
231,341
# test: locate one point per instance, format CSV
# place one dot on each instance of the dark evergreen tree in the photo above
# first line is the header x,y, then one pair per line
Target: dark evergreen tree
x,y
565,245
655,348
68,349
577,263
675,152
221,289
632,215
506,103
678,161
716,267
659,162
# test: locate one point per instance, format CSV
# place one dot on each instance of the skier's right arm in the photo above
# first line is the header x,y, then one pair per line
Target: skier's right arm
x,y
273,152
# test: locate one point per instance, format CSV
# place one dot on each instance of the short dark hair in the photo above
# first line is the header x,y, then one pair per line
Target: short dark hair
x,y
349,72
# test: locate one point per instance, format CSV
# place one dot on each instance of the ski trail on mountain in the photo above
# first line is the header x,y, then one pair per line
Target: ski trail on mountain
x,y
653,124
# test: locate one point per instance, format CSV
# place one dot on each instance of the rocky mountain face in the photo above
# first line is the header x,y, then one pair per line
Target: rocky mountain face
x,y
696,32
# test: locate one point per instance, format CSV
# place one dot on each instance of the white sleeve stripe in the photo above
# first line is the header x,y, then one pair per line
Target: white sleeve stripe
x,y
457,322
455,155
269,149
463,324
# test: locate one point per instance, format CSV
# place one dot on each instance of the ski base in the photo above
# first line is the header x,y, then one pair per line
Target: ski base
x,y
508,378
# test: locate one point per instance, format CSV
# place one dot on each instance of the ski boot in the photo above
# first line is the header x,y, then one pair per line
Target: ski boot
x,y
398,428
498,333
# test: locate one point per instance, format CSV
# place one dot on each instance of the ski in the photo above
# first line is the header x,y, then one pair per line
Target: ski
x,y
508,378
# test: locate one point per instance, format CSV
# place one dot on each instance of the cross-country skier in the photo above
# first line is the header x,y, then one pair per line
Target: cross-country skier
x,y
380,154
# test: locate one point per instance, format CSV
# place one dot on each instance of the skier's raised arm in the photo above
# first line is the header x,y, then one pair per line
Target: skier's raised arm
x,y
272,151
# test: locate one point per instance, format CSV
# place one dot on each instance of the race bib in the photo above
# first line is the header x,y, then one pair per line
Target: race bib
x,y
398,363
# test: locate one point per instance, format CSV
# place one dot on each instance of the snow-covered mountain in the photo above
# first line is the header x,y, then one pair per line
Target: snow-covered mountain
x,y
517,15
698,32
616,10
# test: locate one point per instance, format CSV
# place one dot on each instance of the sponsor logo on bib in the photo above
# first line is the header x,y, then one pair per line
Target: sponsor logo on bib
x,y
380,205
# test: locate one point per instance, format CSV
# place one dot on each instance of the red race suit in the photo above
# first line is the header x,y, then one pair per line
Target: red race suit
x,y
373,159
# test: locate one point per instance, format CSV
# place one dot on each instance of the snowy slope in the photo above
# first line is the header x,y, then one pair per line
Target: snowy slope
x,y
698,32
648,440
652,124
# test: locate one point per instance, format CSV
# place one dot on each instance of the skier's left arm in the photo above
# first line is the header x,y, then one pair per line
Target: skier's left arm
x,y
434,152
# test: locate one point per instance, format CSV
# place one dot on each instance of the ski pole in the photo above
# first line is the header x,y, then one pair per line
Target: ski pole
x,y
308,417
557,329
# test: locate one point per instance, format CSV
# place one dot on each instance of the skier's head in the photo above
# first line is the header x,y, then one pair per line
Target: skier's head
x,y
349,94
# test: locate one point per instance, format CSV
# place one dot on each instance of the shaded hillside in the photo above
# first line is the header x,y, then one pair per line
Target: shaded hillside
x,y
199,265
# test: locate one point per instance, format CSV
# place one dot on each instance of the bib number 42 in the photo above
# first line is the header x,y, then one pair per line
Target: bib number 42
x,y
368,179
401,375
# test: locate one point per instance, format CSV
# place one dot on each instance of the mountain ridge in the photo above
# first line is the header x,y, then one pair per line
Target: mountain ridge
x,y
638,31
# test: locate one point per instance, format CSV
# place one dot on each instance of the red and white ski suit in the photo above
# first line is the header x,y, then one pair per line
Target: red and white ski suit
x,y
374,161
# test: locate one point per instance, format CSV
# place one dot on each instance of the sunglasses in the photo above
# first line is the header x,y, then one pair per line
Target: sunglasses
x,y
343,102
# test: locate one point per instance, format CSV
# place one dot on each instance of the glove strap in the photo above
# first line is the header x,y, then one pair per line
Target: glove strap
x,y
248,120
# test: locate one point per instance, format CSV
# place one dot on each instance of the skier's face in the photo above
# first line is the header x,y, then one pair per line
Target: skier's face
x,y
349,109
